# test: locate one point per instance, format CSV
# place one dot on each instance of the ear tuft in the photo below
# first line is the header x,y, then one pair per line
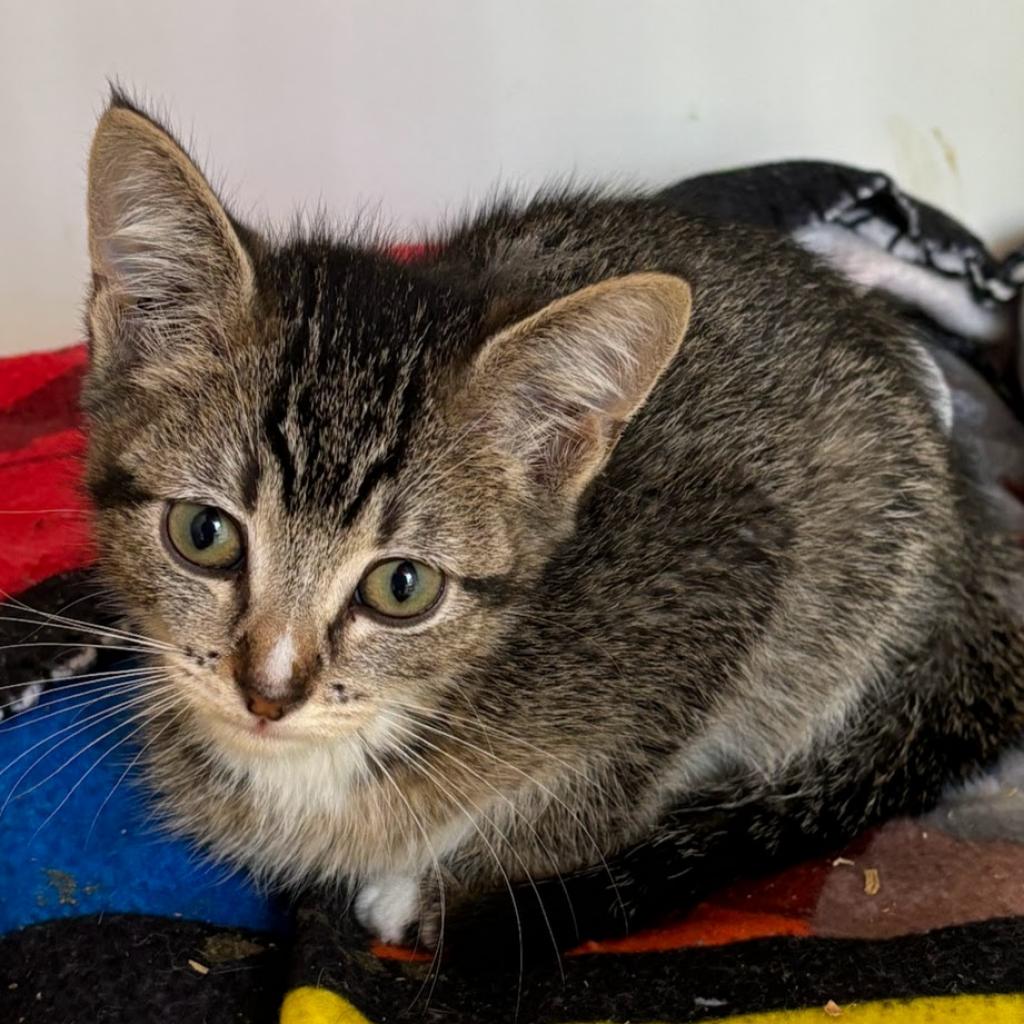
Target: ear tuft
x,y
558,387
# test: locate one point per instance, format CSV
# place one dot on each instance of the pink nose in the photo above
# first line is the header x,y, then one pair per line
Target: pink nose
x,y
263,708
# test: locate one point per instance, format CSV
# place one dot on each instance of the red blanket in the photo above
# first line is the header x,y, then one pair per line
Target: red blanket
x,y
42,510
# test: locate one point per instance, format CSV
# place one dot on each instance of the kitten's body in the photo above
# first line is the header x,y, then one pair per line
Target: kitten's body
x,y
769,614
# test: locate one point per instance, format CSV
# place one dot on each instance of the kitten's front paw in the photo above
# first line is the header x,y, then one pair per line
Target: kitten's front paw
x,y
397,909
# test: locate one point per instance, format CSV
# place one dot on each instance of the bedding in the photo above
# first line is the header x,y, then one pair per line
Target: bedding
x,y
103,918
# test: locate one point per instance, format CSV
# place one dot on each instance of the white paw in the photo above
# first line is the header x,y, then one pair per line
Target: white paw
x,y
84,658
388,906
28,698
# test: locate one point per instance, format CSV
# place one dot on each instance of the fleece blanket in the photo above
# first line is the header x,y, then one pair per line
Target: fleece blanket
x,y
105,919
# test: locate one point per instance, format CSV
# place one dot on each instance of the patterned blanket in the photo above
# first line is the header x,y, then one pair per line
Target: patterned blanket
x,y
104,919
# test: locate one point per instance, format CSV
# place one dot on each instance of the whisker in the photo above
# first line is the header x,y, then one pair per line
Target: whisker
x,y
62,682
146,709
43,511
88,691
89,770
20,605
525,775
97,716
508,842
96,592
134,761
490,785
100,631
490,727
418,822
66,646
27,719
433,778
59,617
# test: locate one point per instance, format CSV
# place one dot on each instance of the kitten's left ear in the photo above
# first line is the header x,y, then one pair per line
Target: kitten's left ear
x,y
556,389
166,258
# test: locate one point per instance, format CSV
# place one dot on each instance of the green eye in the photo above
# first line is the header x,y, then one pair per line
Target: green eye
x,y
400,588
204,535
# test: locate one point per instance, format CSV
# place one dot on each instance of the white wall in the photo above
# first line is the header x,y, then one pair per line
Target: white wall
x,y
421,105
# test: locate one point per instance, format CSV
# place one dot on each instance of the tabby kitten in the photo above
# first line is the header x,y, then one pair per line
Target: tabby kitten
x,y
593,557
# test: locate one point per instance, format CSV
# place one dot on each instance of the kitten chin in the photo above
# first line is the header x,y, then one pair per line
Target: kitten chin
x,y
297,813
245,737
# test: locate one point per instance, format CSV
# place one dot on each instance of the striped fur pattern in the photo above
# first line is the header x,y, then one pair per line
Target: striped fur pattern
x,y
718,587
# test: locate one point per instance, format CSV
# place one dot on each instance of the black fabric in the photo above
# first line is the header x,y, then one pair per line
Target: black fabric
x,y
790,195
123,969
680,986
126,969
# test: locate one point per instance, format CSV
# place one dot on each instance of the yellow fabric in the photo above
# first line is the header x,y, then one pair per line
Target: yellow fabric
x,y
309,1005
1008,1009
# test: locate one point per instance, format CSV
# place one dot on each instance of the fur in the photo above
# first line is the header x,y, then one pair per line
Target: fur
x,y
718,588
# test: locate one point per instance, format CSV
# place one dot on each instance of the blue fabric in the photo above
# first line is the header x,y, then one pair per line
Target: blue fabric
x,y
84,841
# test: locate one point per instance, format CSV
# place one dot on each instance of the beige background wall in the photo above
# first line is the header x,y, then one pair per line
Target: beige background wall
x,y
419,106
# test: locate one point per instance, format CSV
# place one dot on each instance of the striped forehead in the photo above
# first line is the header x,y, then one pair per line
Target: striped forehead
x,y
358,340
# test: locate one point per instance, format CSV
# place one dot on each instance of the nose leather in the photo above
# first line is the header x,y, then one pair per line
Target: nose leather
x,y
263,708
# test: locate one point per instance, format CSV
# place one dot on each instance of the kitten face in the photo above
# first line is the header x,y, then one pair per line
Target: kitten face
x,y
289,441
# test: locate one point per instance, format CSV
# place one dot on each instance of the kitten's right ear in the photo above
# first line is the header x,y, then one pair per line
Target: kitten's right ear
x,y
166,260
